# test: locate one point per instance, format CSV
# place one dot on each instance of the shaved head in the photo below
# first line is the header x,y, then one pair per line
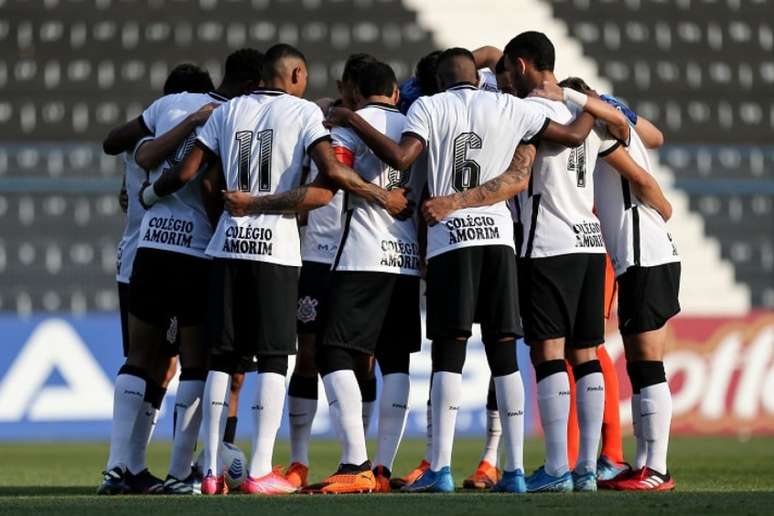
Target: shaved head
x,y
456,65
280,60
284,67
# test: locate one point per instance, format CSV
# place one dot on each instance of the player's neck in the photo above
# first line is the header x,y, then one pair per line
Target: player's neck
x,y
379,100
228,90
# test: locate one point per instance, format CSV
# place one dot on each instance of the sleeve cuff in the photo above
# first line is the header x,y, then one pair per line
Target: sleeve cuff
x,y
610,149
538,135
417,136
326,138
199,143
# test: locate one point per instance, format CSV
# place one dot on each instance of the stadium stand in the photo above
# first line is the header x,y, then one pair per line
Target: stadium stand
x,y
72,69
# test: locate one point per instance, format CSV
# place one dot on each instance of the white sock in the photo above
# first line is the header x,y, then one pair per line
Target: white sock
x,y
368,410
301,413
128,398
267,414
494,430
445,397
510,403
215,407
641,453
141,435
656,418
393,411
346,414
553,396
590,403
429,432
188,420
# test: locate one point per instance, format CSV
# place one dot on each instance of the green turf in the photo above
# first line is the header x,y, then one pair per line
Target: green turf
x,y
713,476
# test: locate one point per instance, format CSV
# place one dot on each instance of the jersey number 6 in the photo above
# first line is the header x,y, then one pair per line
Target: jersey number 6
x,y
467,172
244,141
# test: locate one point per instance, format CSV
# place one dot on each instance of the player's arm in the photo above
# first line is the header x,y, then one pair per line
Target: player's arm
x,y
503,187
304,198
123,196
650,135
176,178
487,57
645,185
212,186
572,134
334,167
399,156
124,137
152,153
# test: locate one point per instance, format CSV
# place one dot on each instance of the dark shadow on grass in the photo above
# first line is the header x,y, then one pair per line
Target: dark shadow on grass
x,y
10,491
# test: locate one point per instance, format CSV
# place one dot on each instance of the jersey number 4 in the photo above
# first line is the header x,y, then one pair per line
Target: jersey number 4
x,y
244,141
577,164
467,172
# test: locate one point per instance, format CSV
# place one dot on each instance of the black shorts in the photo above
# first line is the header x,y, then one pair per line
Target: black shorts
x,y
473,284
648,297
168,289
123,309
313,287
564,296
252,308
246,364
367,311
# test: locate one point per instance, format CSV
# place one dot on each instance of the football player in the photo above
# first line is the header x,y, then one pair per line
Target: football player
x,y
259,141
184,77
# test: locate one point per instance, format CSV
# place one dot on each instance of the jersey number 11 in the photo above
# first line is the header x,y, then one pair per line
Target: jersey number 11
x,y
244,141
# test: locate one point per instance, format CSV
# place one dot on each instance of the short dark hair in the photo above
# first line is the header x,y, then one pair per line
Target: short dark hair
x,y
427,73
377,79
575,83
276,54
188,77
500,66
243,65
354,65
448,55
535,47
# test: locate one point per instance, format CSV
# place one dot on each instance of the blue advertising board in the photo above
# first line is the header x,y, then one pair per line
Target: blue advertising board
x,y
57,373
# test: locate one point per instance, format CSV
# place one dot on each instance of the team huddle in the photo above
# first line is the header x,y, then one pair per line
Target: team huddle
x,y
261,225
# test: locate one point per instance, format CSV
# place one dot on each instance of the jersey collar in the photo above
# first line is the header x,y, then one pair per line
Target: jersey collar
x,y
269,91
217,96
382,105
462,86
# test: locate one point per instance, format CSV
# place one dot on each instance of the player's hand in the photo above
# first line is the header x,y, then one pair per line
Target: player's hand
x,y
337,117
436,209
549,90
398,205
123,199
203,113
141,195
236,203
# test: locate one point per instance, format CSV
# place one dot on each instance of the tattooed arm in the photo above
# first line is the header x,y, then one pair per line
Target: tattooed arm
x,y
503,187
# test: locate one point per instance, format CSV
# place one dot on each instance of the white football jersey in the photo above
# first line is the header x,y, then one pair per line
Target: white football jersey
x,y
634,232
177,222
134,176
556,211
487,80
371,238
262,140
323,228
470,136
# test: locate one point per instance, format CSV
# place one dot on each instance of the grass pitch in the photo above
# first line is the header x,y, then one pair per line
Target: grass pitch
x,y
713,476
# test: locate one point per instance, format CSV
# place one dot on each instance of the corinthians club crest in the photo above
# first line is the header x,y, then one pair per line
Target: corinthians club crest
x,y
307,309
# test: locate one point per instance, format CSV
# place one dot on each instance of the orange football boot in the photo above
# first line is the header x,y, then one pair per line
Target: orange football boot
x,y
485,477
382,476
347,480
297,474
411,477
